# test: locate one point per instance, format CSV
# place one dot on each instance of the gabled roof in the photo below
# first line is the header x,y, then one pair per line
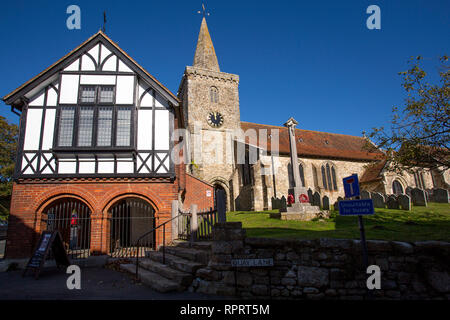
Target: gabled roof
x,y
373,172
317,144
12,97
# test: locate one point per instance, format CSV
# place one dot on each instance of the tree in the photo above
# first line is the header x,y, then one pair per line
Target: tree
x,y
8,144
420,133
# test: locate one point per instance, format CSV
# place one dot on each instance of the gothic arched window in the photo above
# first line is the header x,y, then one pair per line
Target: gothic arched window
x,y
329,177
397,187
214,94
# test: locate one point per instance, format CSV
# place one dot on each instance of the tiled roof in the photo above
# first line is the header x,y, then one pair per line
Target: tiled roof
x,y
317,144
373,172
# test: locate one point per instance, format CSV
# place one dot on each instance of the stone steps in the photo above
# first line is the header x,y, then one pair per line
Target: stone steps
x,y
175,262
180,277
192,254
199,245
153,280
182,260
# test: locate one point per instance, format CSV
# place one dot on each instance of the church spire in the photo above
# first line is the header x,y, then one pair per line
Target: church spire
x,y
205,55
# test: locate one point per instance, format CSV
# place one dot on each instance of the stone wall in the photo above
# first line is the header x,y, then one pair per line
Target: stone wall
x,y
323,268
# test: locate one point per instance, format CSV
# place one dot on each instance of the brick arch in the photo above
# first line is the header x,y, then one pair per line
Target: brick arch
x,y
112,197
64,192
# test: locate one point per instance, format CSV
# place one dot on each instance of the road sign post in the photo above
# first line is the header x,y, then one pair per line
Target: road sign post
x,y
359,207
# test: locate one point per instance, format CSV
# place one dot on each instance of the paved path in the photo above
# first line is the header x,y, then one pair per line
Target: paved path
x,y
96,283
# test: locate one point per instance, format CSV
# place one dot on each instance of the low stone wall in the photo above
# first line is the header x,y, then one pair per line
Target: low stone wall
x,y
323,268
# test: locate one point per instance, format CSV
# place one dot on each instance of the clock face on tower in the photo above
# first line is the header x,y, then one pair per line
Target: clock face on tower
x,y
215,119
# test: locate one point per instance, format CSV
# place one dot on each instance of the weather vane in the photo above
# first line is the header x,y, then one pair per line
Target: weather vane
x,y
203,11
104,22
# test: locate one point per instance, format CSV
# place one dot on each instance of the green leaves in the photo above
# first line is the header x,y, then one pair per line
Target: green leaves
x,y
420,133
8,144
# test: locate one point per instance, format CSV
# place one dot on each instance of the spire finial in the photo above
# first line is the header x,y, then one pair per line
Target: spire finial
x,y
204,12
205,55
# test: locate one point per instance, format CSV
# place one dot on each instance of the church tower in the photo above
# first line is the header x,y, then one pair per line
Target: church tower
x,y
211,113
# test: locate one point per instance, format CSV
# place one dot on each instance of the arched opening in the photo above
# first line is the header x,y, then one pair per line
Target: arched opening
x,y
130,218
72,218
397,187
217,187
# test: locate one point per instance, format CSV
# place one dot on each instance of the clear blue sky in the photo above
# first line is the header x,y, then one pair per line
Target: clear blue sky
x,y
313,60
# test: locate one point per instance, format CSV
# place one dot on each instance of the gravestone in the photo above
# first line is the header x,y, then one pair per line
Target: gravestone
x,y
440,196
316,200
392,202
404,201
325,203
310,196
408,191
378,200
283,204
418,197
365,194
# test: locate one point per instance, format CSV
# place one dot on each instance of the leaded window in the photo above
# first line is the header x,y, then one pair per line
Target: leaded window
x,y
95,121
329,177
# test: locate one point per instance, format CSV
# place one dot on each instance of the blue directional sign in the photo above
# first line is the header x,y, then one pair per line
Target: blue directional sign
x,y
351,186
356,207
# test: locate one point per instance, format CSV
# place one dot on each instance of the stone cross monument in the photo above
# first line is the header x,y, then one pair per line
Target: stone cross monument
x,y
298,210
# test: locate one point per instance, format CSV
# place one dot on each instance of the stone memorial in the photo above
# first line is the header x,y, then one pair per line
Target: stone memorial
x,y
392,202
378,200
365,194
404,202
418,197
440,196
325,203
310,196
298,210
316,200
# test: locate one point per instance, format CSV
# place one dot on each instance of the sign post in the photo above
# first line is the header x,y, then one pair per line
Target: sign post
x,y
356,206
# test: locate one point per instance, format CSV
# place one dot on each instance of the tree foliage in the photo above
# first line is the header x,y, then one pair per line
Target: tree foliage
x,y
420,132
8,144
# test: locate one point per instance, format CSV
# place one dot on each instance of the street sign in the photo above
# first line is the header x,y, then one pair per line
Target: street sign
x,y
351,186
356,207
252,263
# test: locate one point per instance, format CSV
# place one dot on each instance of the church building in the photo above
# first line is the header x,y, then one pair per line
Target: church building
x,y
98,146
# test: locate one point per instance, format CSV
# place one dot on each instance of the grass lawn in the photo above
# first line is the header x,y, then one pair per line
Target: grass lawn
x,y
421,223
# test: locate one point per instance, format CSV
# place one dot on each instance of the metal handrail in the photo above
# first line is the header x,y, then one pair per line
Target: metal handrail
x,y
164,240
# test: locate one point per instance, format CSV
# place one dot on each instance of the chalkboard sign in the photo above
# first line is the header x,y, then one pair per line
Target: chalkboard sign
x,y
50,240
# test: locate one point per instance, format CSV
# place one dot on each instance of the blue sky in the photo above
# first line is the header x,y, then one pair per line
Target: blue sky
x,y
313,60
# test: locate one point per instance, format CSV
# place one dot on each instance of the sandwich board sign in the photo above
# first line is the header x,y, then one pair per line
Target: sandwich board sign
x,y
49,241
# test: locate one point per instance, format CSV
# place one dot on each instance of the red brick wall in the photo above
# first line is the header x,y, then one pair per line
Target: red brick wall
x,y
196,193
29,200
